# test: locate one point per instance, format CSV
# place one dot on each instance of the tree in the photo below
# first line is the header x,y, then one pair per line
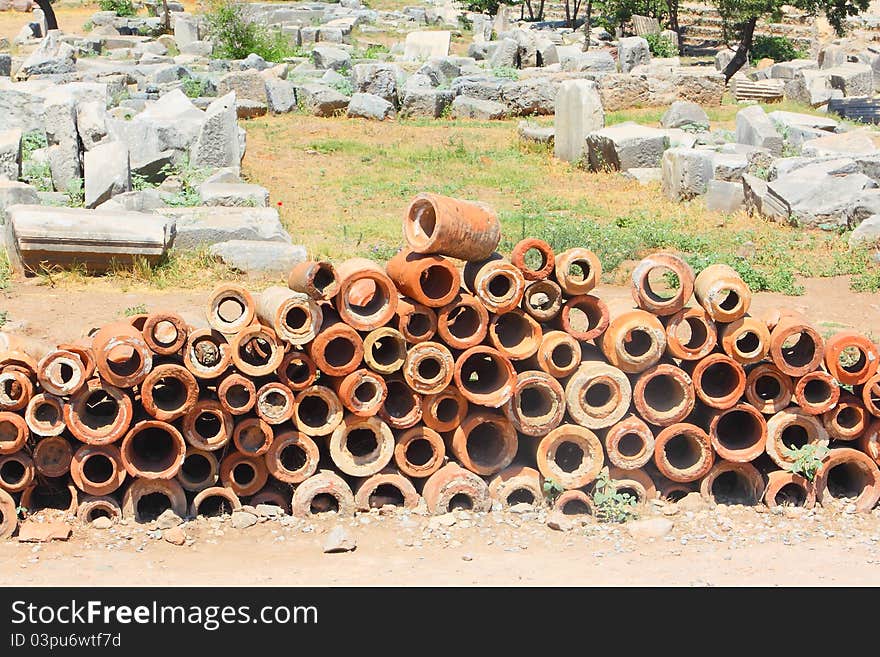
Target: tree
x,y
51,21
741,16
533,15
572,9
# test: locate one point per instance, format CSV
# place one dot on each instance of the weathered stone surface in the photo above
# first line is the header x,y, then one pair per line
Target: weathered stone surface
x,y
476,108
421,101
535,133
145,200
686,173
90,238
254,257
107,172
243,520
205,226
578,113
573,58
855,142
620,91
218,144
536,96
632,51
424,45
701,88
810,87
477,86
5,65
10,154
233,194
683,112
321,100
280,96
866,233
729,166
852,79
331,57
31,531
186,29
649,528
59,112
626,146
52,56
788,70
370,106
247,85
339,539
723,196
91,122
753,127
376,79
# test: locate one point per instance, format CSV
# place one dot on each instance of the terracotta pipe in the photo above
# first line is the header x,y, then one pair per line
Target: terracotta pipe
x,y
292,457
647,298
733,483
169,392
690,334
415,322
430,280
575,503
428,368
207,425
384,350
317,411
19,361
324,492
91,508
862,367
230,308
635,483
537,404
16,390
52,456
272,497
768,389
140,488
584,317
44,415
16,471
871,395
98,414
255,351
673,491
403,406
386,487
237,394
244,474
664,395
485,443
578,271
361,446
207,353
367,297
338,350
8,515
544,251
33,498
570,455
362,392
315,278
122,356
61,373
597,395
33,347
419,452
82,348
200,470
451,227
165,333
252,436
559,354
445,410
634,340
846,421
214,501
719,381
792,428
847,473
297,370
795,347
816,392
463,323
496,283
786,488
722,293
746,340
294,316
542,300
484,376
97,469
275,403
629,443
517,484
452,487
153,450
869,442
683,452
515,334
137,321
14,432
738,434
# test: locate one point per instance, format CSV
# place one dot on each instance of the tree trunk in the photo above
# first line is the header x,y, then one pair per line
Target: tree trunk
x,y
541,11
742,50
528,4
567,13
672,6
167,17
51,21
573,21
587,25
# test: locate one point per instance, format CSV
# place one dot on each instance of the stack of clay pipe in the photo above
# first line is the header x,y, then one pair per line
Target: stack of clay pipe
x,y
453,374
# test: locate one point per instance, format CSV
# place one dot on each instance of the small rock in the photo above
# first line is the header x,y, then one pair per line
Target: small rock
x,y
466,557
692,502
522,507
102,522
243,520
168,519
339,540
41,532
269,510
670,509
174,535
649,528
559,521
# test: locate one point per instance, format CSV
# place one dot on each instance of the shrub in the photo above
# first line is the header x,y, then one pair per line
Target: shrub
x,y
120,7
194,87
235,37
661,45
777,48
